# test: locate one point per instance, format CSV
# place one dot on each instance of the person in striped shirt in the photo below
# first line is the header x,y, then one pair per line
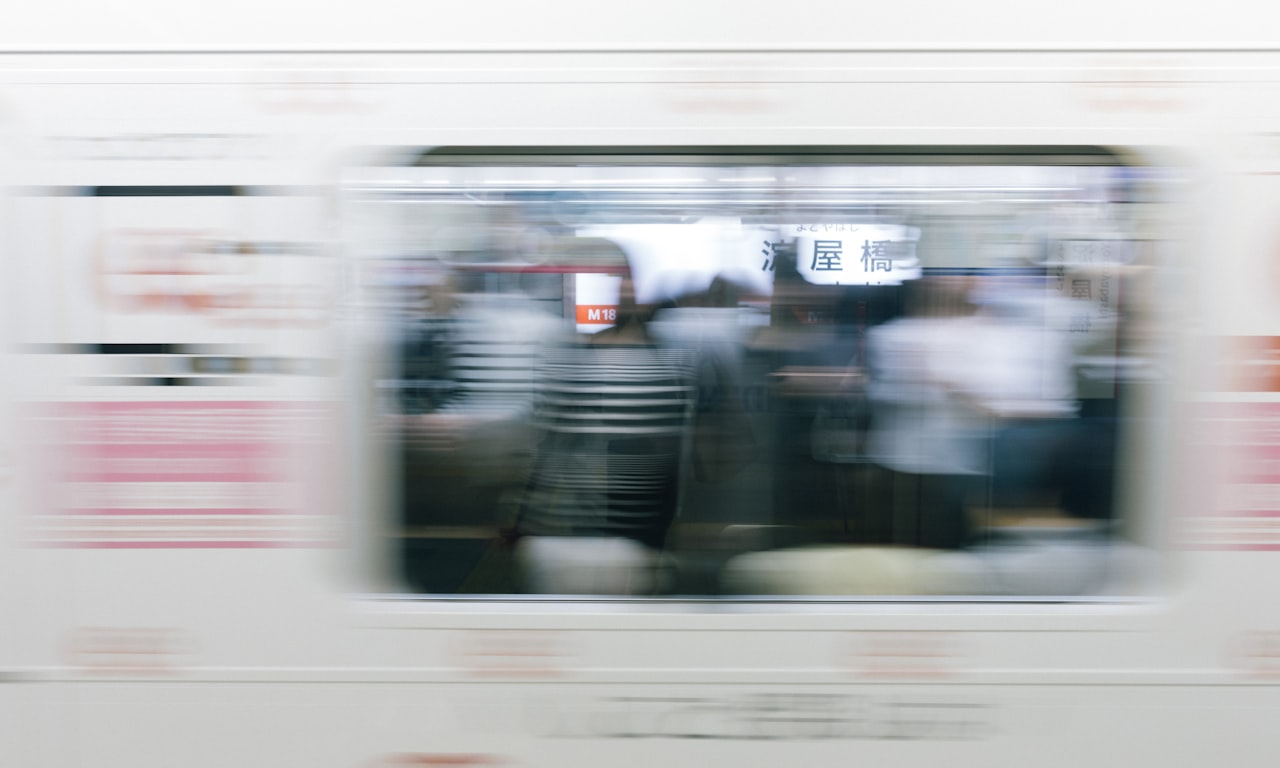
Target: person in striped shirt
x,y
612,412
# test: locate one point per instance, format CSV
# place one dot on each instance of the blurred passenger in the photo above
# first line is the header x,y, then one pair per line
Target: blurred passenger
x,y
797,364
727,484
928,427
1053,385
1051,461
612,411
711,325
466,380
843,422
426,385
1025,360
424,354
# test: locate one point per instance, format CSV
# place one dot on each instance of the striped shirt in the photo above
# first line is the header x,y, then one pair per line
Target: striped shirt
x,y
612,420
480,359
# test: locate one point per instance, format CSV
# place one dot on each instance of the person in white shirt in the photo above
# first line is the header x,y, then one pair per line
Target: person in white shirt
x,y
928,427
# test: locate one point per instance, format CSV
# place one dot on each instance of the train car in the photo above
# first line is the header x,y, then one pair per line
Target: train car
x,y
524,386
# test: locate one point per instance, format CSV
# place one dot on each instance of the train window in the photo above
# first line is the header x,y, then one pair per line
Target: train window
x,y
762,373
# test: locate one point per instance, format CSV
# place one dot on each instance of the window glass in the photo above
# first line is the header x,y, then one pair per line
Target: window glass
x,y
761,374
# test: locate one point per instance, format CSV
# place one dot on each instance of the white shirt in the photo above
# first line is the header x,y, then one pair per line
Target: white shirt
x,y
925,379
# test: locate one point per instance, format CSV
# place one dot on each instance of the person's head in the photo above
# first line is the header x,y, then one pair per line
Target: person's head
x,y
723,293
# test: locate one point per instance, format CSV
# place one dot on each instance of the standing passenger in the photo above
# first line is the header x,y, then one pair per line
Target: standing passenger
x,y
612,411
799,363
927,427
